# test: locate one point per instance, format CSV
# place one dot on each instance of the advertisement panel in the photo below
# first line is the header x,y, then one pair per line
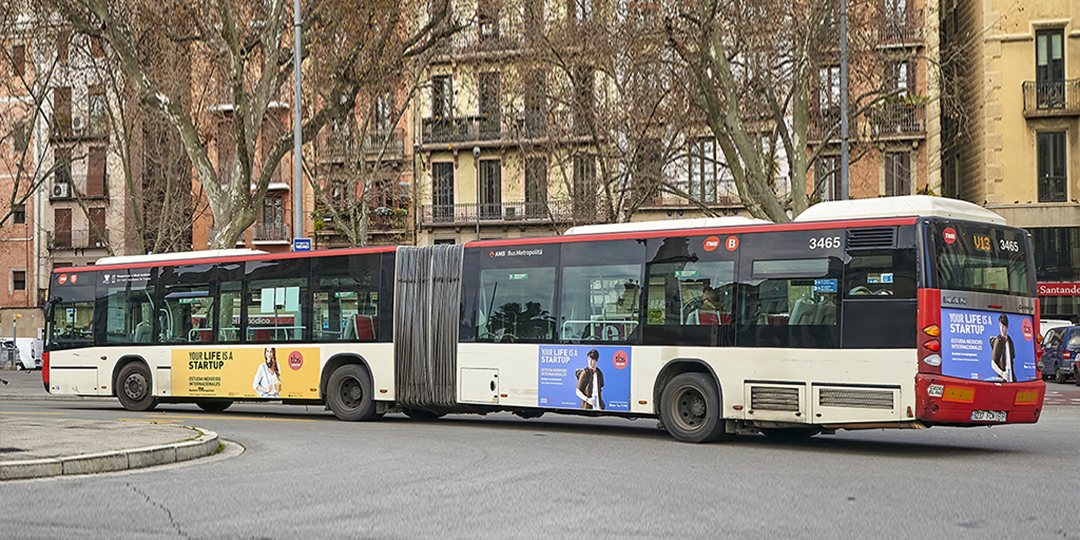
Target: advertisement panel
x,y
233,372
987,346
570,373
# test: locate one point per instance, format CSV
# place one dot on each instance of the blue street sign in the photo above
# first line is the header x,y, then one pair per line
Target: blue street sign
x,y
301,244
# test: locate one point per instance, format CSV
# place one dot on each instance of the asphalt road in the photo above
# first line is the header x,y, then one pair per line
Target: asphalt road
x,y
305,474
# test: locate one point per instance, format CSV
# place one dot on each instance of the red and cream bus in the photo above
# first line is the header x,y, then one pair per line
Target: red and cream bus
x,y
906,312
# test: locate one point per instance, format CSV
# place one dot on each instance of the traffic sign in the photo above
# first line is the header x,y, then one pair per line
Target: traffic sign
x,y
301,244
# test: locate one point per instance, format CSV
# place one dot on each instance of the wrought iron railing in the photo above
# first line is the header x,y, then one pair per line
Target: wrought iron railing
x,y
61,240
901,27
1056,98
333,147
557,210
264,232
1052,189
898,119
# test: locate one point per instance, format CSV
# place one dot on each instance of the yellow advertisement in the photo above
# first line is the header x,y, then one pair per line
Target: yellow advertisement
x,y
270,372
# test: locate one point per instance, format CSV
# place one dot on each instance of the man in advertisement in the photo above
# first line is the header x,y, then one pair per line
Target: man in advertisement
x,y
590,383
1004,353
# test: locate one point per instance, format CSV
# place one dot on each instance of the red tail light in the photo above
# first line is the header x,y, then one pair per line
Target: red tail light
x,y
1067,354
45,370
933,345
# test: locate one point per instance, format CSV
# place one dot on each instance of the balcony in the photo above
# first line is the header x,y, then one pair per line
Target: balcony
x,y
822,120
1052,189
271,233
65,240
560,210
898,120
333,148
901,28
462,129
1047,99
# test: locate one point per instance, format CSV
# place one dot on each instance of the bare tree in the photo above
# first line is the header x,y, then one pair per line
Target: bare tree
x,y
244,46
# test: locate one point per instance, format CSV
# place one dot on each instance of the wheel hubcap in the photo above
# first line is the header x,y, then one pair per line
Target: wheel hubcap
x,y
351,393
135,386
690,408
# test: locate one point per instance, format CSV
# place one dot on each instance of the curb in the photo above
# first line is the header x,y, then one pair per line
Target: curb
x,y
204,445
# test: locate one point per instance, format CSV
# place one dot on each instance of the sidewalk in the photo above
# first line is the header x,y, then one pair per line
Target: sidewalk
x,y
36,445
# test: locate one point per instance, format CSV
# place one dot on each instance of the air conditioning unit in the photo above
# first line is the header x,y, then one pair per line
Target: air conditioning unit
x,y
61,190
78,124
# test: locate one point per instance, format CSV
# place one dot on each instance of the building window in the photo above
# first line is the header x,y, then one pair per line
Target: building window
x,y
1052,176
20,136
18,217
536,103
536,187
18,60
584,202
98,110
442,193
62,170
442,96
584,101
488,18
827,178
490,111
829,89
273,214
62,111
897,173
61,228
97,47
95,172
703,170
490,188
98,234
18,280
899,78
1050,69
63,40
580,10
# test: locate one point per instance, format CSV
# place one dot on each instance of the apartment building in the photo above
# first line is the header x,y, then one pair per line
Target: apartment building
x,y
1019,153
895,112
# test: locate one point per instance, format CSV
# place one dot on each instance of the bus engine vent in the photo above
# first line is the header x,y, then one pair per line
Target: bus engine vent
x,y
872,238
857,399
774,398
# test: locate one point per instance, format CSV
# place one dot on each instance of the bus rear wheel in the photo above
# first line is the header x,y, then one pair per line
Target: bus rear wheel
x,y
135,390
216,405
349,393
690,408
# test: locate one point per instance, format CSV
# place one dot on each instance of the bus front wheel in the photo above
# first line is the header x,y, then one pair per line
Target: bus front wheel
x,y
349,394
136,391
690,408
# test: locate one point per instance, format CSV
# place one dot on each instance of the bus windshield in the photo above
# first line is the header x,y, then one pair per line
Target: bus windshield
x,y
981,258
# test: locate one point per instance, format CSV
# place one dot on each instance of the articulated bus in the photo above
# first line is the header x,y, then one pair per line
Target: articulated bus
x,y
906,312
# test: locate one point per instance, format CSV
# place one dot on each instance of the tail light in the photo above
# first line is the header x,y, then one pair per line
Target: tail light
x,y
933,330
933,345
45,370
1067,355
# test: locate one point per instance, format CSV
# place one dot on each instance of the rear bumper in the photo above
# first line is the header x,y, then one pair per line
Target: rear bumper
x,y
944,400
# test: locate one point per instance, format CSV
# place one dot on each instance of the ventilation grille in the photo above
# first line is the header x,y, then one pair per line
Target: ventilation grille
x,y
774,398
872,238
855,399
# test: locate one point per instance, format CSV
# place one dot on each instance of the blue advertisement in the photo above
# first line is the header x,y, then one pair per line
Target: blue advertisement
x,y
585,377
987,346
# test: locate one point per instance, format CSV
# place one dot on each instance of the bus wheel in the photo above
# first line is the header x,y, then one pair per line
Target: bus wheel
x,y
135,390
216,405
790,434
690,408
349,395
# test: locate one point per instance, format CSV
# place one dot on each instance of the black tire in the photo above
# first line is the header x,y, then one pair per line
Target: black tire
x,y
690,408
1076,376
1059,376
790,434
135,388
349,393
423,415
214,405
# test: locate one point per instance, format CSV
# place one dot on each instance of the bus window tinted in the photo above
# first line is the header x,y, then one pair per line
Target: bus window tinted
x,y
516,305
129,312
880,273
981,258
691,293
346,298
795,306
600,303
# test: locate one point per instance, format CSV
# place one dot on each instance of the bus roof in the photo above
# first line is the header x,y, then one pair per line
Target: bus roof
x,y
663,225
180,256
907,205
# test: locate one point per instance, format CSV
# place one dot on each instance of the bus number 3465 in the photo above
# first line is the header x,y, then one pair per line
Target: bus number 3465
x,y
825,242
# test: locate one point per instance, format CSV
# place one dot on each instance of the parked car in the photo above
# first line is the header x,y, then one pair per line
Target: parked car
x,y
1046,325
10,353
1061,348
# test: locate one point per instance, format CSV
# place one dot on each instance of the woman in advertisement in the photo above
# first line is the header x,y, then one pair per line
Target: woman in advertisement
x,y
267,383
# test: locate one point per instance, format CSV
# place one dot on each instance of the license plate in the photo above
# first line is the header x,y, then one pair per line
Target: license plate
x,y
988,416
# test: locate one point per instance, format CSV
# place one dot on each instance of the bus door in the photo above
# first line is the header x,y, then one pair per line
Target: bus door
x,y
69,333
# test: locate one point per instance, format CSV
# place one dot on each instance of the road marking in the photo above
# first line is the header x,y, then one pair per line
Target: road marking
x,y
12,412
179,416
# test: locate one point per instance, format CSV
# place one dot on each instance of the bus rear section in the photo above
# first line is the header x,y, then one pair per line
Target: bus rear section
x,y
977,327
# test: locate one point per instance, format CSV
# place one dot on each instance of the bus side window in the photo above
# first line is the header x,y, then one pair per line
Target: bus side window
x,y
600,303
129,310
516,304
345,299
791,303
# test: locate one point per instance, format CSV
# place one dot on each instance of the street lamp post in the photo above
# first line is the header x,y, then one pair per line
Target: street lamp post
x,y
476,165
